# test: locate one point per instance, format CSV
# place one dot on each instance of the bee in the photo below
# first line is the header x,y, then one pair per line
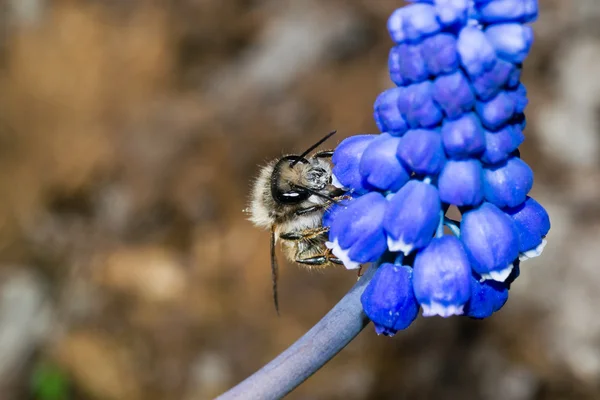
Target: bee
x,y
290,197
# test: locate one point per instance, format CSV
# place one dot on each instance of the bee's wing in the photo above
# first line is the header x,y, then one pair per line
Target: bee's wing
x,y
274,270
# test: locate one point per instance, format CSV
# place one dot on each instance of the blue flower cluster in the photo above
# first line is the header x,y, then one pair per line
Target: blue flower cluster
x,y
451,129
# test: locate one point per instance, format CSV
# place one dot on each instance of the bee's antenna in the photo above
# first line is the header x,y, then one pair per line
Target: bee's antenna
x,y
311,148
274,271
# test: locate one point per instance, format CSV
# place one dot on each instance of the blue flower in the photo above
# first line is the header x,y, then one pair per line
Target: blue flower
x,y
410,66
507,184
497,111
477,55
532,223
487,297
418,106
356,235
379,165
421,150
441,277
439,54
453,94
490,83
346,159
461,183
452,12
491,240
451,132
507,10
389,300
463,137
387,114
511,41
412,217
500,144
413,22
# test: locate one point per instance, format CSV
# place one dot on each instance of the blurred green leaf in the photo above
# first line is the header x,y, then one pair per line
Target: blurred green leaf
x,y
49,382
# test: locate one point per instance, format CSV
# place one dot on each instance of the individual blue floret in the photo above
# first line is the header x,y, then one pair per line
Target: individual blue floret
x,y
389,300
496,112
411,67
499,145
507,184
439,54
532,223
453,94
387,114
346,160
489,83
441,277
477,54
487,297
412,217
418,107
511,41
461,183
412,23
463,137
508,10
356,235
379,165
421,150
491,240
452,12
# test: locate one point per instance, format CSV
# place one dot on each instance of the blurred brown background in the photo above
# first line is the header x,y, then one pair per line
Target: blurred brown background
x,y
129,134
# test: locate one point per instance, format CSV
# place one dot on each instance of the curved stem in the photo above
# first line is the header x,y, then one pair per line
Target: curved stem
x,y
309,353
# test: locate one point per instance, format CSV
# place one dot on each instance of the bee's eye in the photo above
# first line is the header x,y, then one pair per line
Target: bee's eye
x,y
292,196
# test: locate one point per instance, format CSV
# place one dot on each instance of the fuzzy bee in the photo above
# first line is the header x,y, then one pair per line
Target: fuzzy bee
x,y
289,197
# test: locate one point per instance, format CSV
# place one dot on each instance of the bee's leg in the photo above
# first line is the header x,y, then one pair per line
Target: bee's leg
x,y
337,197
309,209
306,234
314,260
319,259
324,154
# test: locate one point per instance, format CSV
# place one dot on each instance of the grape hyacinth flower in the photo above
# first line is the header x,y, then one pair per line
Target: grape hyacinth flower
x,y
450,132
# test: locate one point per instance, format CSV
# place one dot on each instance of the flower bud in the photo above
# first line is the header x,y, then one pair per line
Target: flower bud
x,y
421,150
507,184
532,223
461,183
491,241
389,300
412,216
487,297
379,165
441,277
356,235
346,159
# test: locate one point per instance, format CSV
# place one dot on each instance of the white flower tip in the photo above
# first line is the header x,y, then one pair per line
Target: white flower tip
x,y
342,255
336,183
399,245
499,276
533,252
430,310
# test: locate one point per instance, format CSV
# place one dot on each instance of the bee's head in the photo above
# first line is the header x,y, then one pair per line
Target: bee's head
x,y
286,187
295,178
